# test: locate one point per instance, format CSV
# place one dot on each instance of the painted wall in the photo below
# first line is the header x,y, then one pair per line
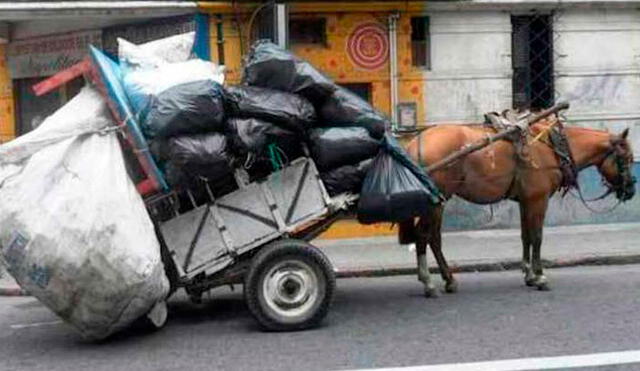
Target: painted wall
x,y
471,68
333,58
7,126
598,68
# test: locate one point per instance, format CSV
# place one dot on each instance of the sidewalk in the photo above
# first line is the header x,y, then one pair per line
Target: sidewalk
x,y
489,250
471,251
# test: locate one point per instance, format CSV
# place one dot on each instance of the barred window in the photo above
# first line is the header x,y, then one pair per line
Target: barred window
x,y
420,42
532,61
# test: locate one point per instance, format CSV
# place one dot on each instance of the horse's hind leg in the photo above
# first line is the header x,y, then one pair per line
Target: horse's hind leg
x,y
422,235
435,241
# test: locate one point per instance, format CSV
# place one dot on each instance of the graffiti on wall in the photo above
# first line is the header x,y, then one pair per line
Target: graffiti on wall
x,y
368,46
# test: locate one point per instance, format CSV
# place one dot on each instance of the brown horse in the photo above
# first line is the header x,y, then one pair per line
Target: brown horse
x,y
496,172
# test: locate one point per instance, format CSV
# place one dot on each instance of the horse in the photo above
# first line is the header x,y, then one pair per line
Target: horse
x,y
498,172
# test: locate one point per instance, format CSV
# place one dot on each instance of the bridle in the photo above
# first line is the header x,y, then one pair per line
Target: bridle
x,y
624,180
623,183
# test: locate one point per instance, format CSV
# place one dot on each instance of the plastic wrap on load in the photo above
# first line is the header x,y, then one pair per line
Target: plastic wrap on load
x,y
254,135
269,66
75,232
346,178
395,188
334,147
191,157
191,108
343,108
285,109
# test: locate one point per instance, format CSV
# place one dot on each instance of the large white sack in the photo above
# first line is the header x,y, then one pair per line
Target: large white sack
x,y
172,49
74,231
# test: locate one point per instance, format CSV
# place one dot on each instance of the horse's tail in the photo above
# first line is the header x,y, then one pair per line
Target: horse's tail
x,y
407,232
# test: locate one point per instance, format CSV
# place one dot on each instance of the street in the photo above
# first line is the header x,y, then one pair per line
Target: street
x,y
374,322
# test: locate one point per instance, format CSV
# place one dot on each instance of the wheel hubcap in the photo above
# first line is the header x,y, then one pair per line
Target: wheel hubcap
x,y
291,288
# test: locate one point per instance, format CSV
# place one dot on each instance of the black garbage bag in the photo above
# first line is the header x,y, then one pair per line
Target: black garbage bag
x,y
395,188
196,157
343,108
288,110
254,135
189,108
346,178
269,66
334,147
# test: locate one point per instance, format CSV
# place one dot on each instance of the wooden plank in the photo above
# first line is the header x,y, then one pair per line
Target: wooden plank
x,y
472,147
61,78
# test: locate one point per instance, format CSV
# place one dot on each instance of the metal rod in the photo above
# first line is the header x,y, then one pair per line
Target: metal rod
x,y
472,147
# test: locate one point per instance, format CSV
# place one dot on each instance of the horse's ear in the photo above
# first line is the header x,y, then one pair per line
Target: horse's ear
x,y
624,133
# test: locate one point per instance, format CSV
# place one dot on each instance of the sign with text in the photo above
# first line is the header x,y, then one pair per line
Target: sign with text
x,y
45,56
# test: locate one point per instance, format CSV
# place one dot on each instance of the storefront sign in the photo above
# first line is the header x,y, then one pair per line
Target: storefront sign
x,y
368,46
45,56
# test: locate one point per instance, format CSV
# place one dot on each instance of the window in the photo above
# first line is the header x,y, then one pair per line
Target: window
x,y
308,31
363,90
420,42
532,62
32,110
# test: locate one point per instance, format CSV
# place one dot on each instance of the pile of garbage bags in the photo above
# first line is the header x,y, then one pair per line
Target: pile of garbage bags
x,y
284,108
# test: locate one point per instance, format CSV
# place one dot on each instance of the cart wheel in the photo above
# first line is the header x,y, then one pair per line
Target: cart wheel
x,y
289,286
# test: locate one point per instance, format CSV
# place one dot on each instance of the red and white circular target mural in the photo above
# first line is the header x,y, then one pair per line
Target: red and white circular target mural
x,y
368,46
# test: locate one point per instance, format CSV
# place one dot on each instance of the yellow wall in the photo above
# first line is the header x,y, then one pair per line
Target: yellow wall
x,y
333,60
7,126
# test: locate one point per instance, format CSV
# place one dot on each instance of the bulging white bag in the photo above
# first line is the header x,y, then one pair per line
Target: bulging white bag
x,y
74,231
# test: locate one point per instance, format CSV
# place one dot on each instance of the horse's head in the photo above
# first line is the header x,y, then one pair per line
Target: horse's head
x,y
616,167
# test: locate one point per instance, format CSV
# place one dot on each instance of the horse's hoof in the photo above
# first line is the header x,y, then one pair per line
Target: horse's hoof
x,y
541,283
543,287
530,281
431,292
451,287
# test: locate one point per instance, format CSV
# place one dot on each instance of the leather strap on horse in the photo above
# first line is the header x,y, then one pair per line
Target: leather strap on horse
x,y
560,146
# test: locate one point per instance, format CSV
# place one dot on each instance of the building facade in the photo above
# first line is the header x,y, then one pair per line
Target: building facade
x,y
422,62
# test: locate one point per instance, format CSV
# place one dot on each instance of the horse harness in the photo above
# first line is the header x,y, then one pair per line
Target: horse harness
x,y
556,140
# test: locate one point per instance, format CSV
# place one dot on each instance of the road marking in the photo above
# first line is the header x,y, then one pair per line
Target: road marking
x,y
37,324
543,363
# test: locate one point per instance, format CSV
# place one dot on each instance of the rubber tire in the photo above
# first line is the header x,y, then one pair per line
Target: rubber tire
x,y
271,255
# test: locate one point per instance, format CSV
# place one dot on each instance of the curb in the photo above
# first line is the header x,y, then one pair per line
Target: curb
x,y
488,267
463,268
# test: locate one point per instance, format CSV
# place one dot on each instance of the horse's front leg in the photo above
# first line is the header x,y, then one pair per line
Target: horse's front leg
x,y
534,213
529,277
430,289
540,280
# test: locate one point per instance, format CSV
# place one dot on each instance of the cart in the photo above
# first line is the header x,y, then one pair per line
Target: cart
x,y
257,235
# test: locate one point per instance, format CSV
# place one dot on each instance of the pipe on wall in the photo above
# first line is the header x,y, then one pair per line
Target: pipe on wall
x,y
393,66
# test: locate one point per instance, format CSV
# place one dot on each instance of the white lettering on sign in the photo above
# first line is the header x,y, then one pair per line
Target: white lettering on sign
x,y
44,56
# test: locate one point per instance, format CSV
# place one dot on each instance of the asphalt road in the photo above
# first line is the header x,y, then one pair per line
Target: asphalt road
x,y
375,322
